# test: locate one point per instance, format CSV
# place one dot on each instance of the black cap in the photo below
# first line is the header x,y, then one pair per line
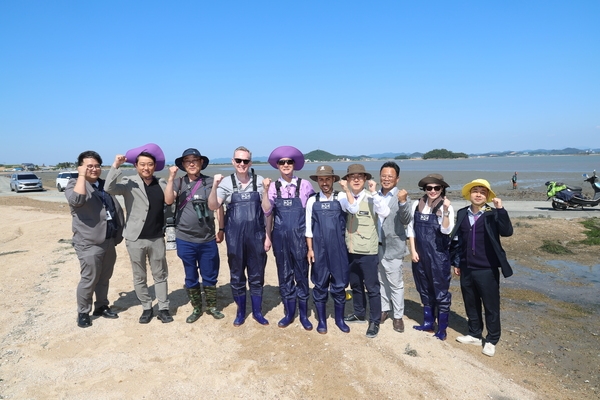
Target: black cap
x,y
191,152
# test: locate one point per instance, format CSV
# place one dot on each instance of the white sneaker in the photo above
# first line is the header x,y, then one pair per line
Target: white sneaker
x,y
489,349
469,340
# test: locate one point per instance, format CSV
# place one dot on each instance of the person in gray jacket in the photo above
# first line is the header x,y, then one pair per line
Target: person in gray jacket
x,y
144,236
392,244
97,229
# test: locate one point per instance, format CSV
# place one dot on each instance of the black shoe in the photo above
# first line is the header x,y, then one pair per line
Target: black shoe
x,y
353,318
146,316
105,312
83,320
373,329
164,316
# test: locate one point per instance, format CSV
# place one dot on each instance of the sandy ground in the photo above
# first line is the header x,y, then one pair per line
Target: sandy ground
x,y
549,348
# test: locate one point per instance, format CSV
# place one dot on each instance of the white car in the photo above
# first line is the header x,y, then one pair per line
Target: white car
x,y
25,181
63,179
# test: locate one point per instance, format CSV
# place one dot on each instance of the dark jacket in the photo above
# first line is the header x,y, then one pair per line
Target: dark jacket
x,y
497,223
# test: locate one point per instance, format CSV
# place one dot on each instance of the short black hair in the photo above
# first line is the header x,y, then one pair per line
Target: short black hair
x,y
391,164
89,154
145,154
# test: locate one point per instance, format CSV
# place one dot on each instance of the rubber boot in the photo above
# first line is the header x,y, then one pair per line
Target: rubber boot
x,y
427,320
321,317
240,316
303,311
196,301
442,325
211,302
257,310
289,306
339,318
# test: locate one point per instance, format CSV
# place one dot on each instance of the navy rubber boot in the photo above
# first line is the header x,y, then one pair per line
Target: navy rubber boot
x,y
303,311
321,317
290,312
240,316
427,320
442,325
257,310
339,318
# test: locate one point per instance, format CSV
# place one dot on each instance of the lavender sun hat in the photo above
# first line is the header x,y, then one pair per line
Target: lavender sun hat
x,y
287,152
151,148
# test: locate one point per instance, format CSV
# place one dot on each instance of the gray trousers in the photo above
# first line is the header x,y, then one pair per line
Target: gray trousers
x,y
97,263
154,250
391,280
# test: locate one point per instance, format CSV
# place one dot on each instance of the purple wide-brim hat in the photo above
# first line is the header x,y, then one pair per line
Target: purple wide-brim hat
x,y
150,148
287,152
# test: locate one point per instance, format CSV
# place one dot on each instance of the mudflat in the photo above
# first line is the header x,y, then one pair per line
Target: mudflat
x,y
549,346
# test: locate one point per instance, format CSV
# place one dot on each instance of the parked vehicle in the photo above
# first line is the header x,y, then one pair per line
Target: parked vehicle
x,y
63,178
564,196
25,181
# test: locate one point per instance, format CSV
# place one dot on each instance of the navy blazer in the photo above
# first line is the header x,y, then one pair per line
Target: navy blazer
x,y
497,223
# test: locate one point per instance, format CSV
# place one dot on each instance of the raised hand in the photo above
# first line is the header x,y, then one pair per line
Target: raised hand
x,y
446,203
173,171
497,202
120,159
402,195
266,183
344,184
372,186
217,179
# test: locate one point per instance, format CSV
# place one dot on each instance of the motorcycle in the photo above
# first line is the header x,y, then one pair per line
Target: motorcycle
x,y
565,196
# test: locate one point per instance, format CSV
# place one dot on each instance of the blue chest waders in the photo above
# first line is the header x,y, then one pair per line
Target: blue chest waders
x,y
289,248
245,237
432,272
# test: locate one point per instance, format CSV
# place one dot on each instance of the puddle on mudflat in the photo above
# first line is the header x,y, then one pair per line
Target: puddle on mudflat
x,y
570,282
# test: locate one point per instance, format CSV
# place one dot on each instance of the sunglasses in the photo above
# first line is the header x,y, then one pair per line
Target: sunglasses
x,y
437,188
241,160
284,162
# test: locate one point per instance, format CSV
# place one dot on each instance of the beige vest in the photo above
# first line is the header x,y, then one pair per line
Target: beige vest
x,y
361,229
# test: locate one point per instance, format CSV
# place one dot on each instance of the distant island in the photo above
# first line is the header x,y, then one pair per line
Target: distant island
x,y
325,156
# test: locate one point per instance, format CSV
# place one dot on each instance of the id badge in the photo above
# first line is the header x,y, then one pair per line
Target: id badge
x,y
108,216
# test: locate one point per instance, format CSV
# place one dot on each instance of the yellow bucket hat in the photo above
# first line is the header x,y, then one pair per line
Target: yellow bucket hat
x,y
466,190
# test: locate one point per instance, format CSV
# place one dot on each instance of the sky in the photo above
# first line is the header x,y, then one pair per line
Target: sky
x,y
347,77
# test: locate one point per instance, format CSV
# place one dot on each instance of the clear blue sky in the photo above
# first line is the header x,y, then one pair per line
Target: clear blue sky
x,y
349,77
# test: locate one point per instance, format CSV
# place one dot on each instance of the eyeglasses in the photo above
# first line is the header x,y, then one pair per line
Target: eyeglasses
x,y
355,177
192,161
93,167
437,188
241,160
284,162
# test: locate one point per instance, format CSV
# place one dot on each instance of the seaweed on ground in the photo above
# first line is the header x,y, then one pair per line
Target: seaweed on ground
x,y
592,232
554,247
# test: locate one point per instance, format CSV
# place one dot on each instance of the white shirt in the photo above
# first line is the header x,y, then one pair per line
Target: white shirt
x,y
380,207
410,228
309,206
